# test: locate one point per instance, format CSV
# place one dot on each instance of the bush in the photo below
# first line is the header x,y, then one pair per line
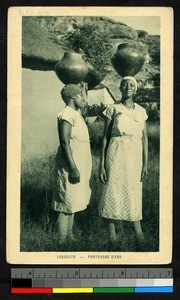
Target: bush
x,y
94,44
153,44
150,100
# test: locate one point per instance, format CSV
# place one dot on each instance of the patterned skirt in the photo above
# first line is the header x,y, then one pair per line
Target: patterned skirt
x,y
121,195
70,198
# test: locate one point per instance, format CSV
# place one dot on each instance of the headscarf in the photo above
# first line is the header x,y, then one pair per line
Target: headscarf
x,y
69,91
132,79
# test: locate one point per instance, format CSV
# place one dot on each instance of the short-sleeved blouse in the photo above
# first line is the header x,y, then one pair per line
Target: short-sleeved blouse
x,y
126,121
79,130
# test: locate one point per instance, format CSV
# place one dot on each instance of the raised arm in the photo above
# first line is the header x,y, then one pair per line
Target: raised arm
x,y
145,154
105,141
64,130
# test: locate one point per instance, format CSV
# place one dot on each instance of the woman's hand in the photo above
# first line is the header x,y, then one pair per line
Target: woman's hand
x,y
144,173
74,176
102,175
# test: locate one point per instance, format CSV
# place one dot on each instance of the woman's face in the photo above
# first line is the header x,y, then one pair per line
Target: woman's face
x,y
79,101
127,88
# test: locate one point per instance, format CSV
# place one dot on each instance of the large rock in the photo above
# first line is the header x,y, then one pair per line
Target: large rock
x,y
60,25
43,46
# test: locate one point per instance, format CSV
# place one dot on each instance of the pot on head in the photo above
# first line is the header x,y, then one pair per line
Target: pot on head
x,y
128,59
71,68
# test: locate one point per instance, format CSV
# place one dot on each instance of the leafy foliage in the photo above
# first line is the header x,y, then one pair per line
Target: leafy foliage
x,y
147,95
95,45
150,100
153,44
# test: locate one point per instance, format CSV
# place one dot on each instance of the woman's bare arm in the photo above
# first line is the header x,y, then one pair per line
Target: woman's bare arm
x,y
145,154
106,138
64,130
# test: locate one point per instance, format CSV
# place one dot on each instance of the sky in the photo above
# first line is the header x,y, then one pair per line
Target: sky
x,y
149,24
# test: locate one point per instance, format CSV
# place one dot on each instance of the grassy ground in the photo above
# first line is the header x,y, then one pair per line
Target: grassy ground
x,y
37,216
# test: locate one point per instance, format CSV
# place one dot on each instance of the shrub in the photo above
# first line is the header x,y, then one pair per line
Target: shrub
x,y
94,44
150,100
153,44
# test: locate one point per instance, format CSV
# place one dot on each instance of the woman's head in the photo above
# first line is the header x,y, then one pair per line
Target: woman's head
x,y
73,93
128,86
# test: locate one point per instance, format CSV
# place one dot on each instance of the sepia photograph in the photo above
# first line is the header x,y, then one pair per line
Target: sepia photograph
x,y
90,112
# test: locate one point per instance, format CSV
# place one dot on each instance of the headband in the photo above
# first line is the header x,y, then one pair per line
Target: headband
x,y
132,79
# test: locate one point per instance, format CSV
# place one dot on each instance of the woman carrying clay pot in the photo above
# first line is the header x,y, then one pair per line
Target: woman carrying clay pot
x,y
73,161
123,164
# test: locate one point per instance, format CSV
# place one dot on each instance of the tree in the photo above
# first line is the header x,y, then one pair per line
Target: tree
x,y
153,43
94,44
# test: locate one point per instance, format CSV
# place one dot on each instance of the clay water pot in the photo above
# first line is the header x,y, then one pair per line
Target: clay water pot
x,y
128,59
71,68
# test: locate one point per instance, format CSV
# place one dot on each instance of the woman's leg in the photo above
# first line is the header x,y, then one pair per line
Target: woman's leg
x,y
70,224
138,230
62,226
112,230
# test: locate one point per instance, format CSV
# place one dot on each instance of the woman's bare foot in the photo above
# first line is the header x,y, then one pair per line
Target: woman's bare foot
x,y
138,231
112,232
112,238
62,241
141,240
72,238
140,237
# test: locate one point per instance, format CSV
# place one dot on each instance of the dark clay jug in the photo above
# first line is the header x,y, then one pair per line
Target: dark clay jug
x,y
71,68
128,59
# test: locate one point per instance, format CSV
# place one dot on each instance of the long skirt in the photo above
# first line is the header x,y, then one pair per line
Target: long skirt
x,y
67,197
121,195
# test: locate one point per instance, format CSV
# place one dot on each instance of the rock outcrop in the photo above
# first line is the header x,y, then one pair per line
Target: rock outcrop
x,y
43,44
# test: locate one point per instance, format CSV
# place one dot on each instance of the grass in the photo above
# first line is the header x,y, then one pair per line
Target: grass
x,y
89,228
37,43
